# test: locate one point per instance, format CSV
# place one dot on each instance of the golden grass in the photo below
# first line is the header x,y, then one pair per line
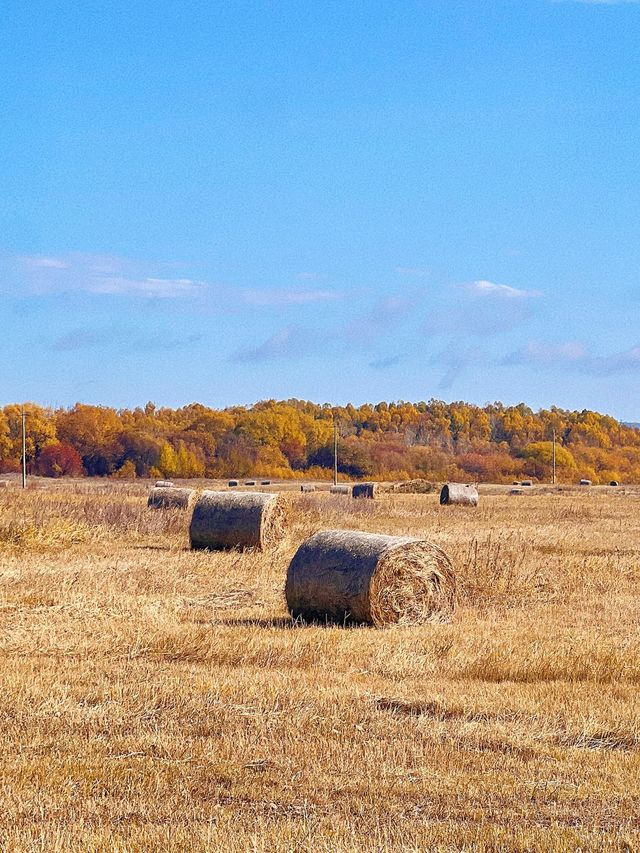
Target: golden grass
x,y
154,698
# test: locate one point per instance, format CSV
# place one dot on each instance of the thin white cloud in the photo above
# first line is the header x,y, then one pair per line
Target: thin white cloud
x,y
542,352
489,288
163,288
46,263
284,296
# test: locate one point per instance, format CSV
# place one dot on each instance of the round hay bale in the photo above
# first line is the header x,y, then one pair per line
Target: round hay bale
x,y
170,498
307,487
249,482
527,483
340,490
265,482
516,492
367,578
459,493
233,483
237,520
364,490
164,484
584,482
614,483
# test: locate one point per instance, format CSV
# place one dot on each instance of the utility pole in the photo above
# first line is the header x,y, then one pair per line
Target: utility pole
x,y
554,457
335,452
24,449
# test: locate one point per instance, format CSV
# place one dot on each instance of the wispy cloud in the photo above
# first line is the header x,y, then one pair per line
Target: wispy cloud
x,y
284,296
503,291
291,342
126,340
540,352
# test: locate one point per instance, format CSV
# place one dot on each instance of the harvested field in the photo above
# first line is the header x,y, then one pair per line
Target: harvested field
x,y
155,697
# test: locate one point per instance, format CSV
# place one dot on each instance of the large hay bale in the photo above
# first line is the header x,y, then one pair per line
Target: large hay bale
x,y
459,493
164,484
364,490
340,490
614,483
414,487
349,576
307,487
237,520
584,482
170,498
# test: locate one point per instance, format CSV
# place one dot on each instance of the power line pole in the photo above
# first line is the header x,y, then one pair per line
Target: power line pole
x,y
24,449
335,452
554,457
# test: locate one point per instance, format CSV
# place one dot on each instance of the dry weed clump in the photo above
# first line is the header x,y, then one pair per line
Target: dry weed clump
x,y
152,697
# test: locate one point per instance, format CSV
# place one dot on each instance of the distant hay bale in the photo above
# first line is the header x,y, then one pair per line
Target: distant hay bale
x,y
614,483
364,490
307,487
340,490
584,482
237,520
249,482
164,484
527,483
414,487
169,497
265,482
233,483
350,576
516,492
459,493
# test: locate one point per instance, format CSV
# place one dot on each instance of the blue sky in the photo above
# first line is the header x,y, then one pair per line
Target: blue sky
x,y
334,201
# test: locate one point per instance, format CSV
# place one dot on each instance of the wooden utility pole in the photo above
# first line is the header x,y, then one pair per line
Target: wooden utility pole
x,y
554,457
335,452
24,449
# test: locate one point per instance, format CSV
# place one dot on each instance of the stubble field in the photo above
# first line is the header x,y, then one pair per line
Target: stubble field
x,y
152,698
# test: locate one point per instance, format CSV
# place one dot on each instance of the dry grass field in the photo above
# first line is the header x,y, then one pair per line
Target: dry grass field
x,y
157,699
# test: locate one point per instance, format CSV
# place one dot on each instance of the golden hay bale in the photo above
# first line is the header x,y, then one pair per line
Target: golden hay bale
x,y
265,482
249,482
516,492
364,490
164,484
307,487
350,576
414,487
237,520
584,482
170,498
459,493
527,483
340,490
233,483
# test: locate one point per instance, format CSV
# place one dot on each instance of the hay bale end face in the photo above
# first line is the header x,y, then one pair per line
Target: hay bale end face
x,y
233,483
265,482
459,494
347,576
364,490
169,497
614,483
164,484
307,487
249,482
223,520
527,483
340,490
584,482
516,492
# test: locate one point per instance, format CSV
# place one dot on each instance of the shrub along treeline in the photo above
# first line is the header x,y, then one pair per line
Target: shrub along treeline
x,y
389,441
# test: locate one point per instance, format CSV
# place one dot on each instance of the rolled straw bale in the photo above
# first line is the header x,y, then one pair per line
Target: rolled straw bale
x,y
237,520
350,576
527,483
585,482
459,493
614,483
265,482
307,487
164,484
233,483
364,490
170,498
340,490
249,482
414,487
516,492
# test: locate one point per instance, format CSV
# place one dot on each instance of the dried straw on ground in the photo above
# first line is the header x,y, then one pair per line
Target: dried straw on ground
x,y
340,490
364,490
459,493
164,484
367,578
307,487
4,484
170,498
237,520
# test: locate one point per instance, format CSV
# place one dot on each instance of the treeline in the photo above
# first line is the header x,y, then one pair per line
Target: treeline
x,y
293,438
